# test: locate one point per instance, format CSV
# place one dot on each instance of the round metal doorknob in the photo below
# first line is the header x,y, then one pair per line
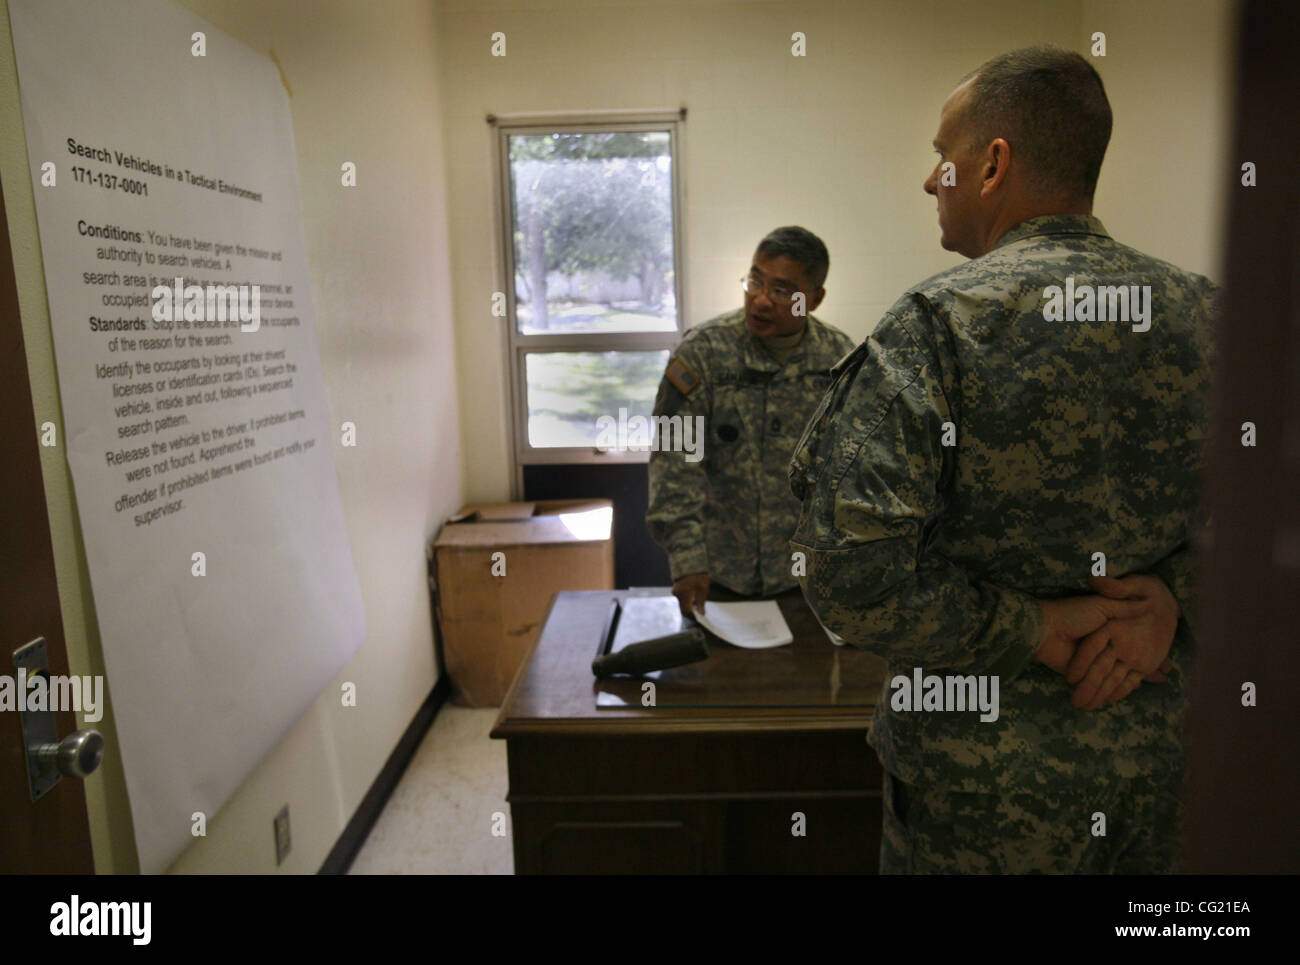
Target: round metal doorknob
x,y
77,755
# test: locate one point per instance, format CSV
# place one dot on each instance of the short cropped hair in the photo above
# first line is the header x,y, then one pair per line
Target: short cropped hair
x,y
1049,104
802,247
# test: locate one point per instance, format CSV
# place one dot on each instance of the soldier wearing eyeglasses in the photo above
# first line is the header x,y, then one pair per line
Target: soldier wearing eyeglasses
x,y
756,376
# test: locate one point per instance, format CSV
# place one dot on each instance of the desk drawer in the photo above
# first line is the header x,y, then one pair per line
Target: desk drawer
x,y
807,834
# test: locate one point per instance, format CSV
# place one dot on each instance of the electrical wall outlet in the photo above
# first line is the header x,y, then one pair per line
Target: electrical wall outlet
x,y
282,840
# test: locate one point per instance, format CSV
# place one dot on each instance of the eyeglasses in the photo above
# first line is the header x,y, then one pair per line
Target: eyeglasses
x,y
777,296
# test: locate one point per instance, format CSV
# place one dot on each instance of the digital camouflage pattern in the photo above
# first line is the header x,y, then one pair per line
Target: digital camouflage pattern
x,y
937,831
1071,438
731,514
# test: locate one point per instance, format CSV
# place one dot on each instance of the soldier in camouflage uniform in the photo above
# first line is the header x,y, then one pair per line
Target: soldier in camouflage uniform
x,y
972,457
755,376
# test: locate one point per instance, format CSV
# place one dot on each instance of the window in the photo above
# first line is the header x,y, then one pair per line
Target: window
x,y
590,213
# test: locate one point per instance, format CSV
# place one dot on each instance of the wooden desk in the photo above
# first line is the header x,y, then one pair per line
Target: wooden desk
x,y
689,789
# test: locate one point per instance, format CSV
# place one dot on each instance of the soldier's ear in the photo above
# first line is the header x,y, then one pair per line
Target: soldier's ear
x,y
816,299
996,164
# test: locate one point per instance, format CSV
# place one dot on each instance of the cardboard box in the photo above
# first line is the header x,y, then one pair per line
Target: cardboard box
x,y
497,568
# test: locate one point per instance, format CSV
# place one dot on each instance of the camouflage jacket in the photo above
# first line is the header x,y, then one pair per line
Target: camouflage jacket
x,y
972,456
731,513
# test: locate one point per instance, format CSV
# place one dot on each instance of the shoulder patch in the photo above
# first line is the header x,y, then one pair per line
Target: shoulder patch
x,y
681,376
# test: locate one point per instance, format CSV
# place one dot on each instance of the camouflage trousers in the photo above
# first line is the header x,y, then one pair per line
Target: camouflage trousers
x,y
936,831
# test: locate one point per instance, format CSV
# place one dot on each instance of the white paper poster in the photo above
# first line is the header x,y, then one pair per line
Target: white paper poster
x,y
194,411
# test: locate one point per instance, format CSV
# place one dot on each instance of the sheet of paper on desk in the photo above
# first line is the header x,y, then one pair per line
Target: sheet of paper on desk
x,y
754,625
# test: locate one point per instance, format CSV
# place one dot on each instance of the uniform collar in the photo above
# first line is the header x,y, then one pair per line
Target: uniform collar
x,y
757,357
1054,224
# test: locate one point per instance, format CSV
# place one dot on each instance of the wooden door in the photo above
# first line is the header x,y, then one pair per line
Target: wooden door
x,y
52,835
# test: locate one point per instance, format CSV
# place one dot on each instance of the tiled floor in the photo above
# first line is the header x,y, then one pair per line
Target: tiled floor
x,y
441,817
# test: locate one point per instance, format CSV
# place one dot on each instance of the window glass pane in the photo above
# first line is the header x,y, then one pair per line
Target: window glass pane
x,y
592,225
568,392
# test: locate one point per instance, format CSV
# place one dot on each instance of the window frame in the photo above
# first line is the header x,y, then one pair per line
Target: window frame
x,y
518,346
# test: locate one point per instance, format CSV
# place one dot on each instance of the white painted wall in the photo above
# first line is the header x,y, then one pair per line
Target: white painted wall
x,y
838,141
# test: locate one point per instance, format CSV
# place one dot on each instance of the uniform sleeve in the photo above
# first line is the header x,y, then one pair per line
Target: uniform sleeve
x,y
679,486
878,500
1178,570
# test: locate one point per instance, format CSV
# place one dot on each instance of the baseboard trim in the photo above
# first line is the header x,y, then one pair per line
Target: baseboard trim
x,y
354,835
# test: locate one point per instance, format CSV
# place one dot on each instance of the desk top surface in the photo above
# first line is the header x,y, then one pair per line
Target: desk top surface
x,y
810,684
